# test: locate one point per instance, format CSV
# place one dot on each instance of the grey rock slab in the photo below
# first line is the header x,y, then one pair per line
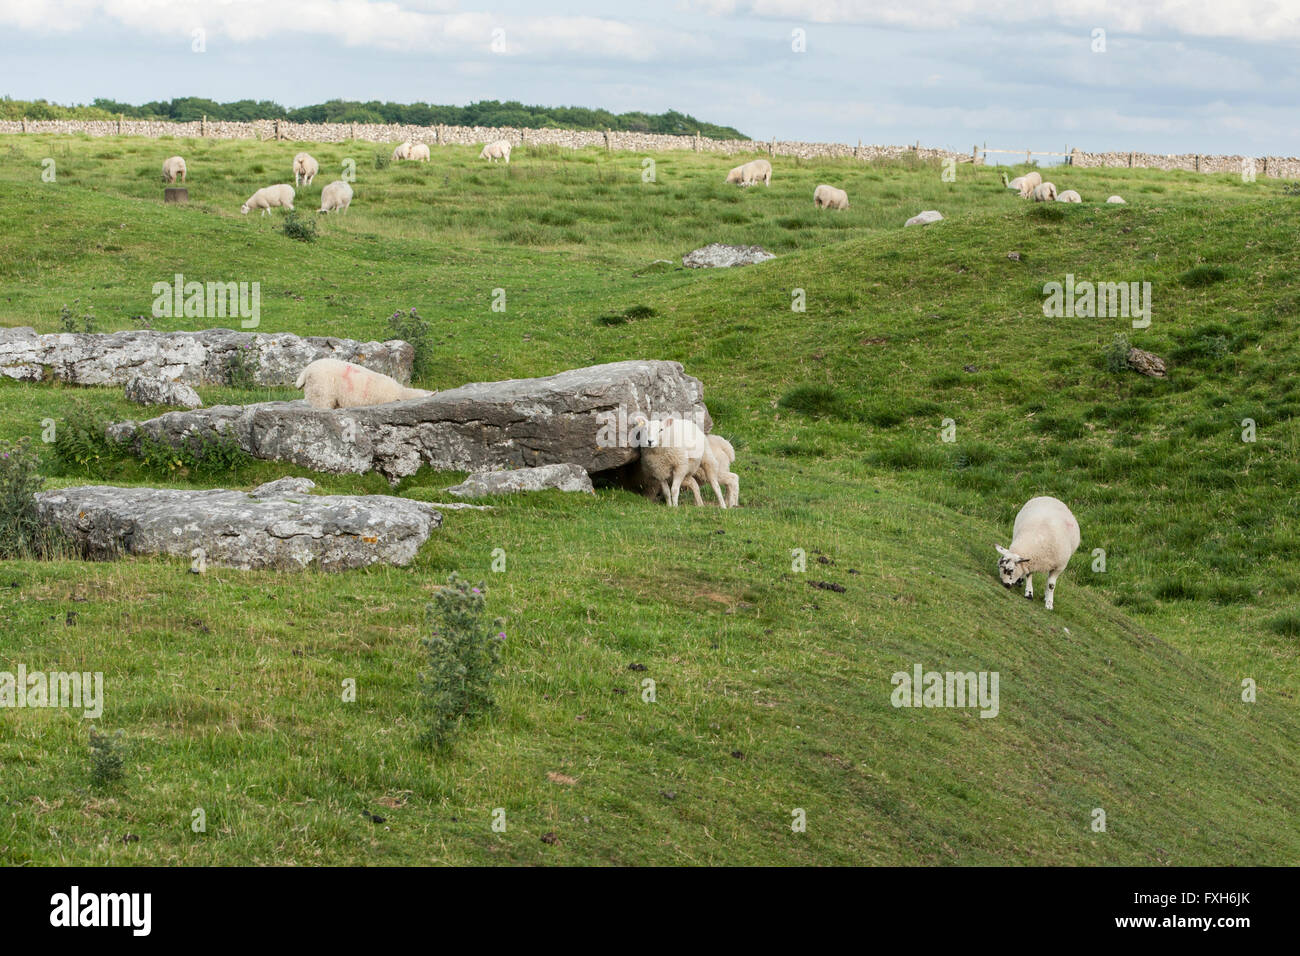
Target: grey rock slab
x,y
565,477
194,358
720,256
145,390
580,416
924,218
278,526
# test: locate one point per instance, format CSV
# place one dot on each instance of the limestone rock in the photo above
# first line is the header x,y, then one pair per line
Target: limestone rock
x,y
720,256
565,477
145,390
924,218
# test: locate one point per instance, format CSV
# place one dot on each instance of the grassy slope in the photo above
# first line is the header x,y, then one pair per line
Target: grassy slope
x,y
231,699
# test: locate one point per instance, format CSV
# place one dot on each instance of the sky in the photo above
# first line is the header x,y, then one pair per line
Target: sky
x,y
1164,76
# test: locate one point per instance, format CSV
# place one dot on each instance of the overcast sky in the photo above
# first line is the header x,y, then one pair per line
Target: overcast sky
x,y
1214,76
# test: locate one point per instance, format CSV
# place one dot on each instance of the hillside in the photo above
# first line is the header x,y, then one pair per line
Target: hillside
x,y
773,693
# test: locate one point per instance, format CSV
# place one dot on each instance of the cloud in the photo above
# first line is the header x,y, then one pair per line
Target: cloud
x,y
1264,21
407,26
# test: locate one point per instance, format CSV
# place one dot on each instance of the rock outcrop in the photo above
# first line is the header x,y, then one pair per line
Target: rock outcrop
x,y
718,255
566,477
147,390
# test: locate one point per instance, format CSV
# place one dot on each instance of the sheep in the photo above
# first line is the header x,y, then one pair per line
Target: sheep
x,y
304,169
1117,199
723,456
268,197
332,383
748,174
1043,538
403,151
336,197
419,151
1025,184
1069,196
672,451
174,166
498,150
828,197
1044,192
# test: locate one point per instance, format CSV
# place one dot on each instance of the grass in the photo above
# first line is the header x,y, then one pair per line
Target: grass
x,y
772,692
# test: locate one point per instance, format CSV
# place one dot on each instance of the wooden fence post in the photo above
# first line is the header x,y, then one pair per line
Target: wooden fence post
x,y
697,140
606,134
24,124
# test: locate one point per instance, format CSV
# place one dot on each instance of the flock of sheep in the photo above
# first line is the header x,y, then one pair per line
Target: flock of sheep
x,y
675,452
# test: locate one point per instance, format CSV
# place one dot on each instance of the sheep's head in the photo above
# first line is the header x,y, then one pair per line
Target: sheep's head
x,y
1012,568
645,433
244,209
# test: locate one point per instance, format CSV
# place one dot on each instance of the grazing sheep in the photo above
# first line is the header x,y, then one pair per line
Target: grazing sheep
x,y
672,451
1117,199
336,197
723,456
498,150
748,174
173,166
304,169
1043,538
828,197
403,151
1069,196
419,151
332,383
268,197
1044,192
1025,184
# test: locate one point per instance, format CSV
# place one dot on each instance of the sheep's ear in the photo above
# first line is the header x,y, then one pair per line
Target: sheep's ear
x,y
667,422
1002,551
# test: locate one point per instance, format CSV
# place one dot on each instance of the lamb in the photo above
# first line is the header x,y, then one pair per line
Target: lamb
x,y
268,197
304,169
1044,192
332,383
1069,196
1025,184
336,197
723,456
1117,199
403,151
418,151
173,166
1043,538
828,197
672,451
756,171
498,150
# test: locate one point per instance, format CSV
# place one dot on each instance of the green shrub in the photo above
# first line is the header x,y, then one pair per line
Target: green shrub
x,y
1117,354
298,227
107,758
1198,277
21,533
462,654
816,401
242,366
68,321
203,455
1047,212
80,446
382,160
413,328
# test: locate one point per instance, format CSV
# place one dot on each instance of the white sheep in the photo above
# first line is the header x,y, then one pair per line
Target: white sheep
x,y
1117,199
418,152
723,455
305,169
174,166
268,197
403,151
1043,538
336,197
1044,192
332,383
498,150
1069,196
674,449
1025,184
828,197
751,173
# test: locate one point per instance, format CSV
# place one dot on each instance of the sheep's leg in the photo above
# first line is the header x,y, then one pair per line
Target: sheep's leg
x,y
1051,589
717,490
666,492
1029,586
678,476
694,486
733,490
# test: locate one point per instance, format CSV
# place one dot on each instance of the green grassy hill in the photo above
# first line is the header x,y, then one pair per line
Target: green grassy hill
x,y
773,691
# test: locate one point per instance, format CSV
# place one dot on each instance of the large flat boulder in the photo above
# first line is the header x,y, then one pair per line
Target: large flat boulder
x,y
194,358
278,526
579,416
722,256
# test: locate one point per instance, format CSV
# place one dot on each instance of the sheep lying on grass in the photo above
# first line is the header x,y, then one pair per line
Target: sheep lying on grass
x,y
173,166
331,383
304,169
1045,192
1069,196
828,197
498,150
336,197
418,152
672,451
269,197
1043,538
748,174
723,456
1117,199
